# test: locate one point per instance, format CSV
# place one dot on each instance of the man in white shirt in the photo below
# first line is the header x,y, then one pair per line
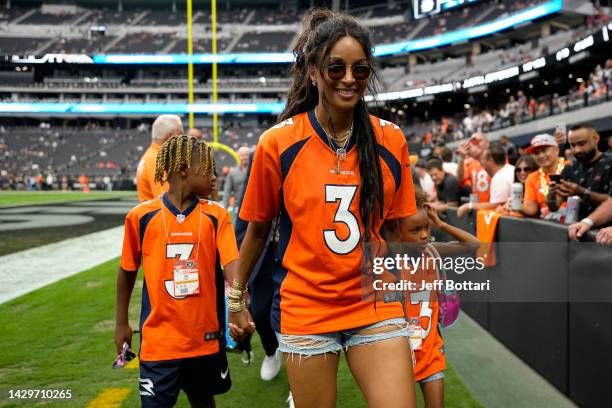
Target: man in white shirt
x,y
502,177
447,161
427,184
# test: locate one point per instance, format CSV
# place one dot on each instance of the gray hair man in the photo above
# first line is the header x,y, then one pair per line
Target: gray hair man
x,y
164,127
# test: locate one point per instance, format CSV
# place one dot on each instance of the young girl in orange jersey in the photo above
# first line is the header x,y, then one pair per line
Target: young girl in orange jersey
x,y
334,175
179,240
422,307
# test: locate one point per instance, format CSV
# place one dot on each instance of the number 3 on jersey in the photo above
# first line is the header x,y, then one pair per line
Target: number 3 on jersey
x,y
426,312
344,194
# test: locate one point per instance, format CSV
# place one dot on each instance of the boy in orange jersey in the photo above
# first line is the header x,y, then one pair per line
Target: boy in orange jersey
x,y
181,241
421,307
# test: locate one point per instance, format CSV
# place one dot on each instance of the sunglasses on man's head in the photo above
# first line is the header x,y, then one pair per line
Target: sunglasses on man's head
x,y
360,72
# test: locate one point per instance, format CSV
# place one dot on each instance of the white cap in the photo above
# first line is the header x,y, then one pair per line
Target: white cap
x,y
540,140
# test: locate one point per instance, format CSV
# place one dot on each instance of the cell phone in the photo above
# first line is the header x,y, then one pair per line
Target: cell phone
x,y
555,177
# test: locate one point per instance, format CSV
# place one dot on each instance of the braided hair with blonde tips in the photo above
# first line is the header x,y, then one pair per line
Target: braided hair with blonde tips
x,y
178,151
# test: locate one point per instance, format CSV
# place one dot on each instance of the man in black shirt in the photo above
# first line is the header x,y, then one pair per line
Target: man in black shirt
x,y
447,186
590,176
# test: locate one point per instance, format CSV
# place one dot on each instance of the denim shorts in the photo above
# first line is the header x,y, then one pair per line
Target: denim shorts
x,y
433,377
334,342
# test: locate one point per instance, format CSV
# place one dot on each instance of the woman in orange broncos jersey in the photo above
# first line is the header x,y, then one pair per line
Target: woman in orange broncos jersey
x,y
334,175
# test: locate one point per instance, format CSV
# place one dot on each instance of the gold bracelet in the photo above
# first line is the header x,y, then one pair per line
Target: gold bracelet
x,y
235,294
239,285
234,306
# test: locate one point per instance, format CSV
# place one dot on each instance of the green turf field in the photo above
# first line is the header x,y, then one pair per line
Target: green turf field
x,y
61,337
9,198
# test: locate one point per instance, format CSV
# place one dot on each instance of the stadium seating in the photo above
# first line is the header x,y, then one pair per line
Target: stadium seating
x,y
265,42
94,151
105,17
266,16
141,43
79,45
20,45
389,23
162,18
8,15
39,18
200,45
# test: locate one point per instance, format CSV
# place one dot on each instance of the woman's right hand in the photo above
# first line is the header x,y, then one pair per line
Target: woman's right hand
x,y
240,324
123,334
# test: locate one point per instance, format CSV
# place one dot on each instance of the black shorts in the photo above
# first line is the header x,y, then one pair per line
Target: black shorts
x,y
200,378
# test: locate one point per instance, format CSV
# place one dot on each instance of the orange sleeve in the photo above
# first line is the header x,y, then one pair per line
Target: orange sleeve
x,y
404,203
226,240
130,254
156,188
531,190
262,198
467,174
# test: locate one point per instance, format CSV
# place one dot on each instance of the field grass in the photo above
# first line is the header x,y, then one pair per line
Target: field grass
x,y
10,198
61,337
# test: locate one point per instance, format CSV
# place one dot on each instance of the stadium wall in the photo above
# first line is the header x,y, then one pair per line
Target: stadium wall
x,y
566,342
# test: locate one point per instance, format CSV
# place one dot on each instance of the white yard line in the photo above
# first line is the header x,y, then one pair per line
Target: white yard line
x,y
25,271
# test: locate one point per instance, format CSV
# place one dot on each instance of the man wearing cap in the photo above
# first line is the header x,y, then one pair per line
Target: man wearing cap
x,y
545,151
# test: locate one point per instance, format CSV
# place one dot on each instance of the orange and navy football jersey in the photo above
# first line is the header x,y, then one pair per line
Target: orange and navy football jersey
x,y
293,174
173,326
477,178
423,305
148,189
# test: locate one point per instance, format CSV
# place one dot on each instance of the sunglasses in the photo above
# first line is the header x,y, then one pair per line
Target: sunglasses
x,y
360,72
523,169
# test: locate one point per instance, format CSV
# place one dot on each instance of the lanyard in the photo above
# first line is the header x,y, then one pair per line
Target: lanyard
x,y
199,226
544,181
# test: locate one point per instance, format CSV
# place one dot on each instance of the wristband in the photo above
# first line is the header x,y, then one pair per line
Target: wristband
x,y
471,205
587,221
